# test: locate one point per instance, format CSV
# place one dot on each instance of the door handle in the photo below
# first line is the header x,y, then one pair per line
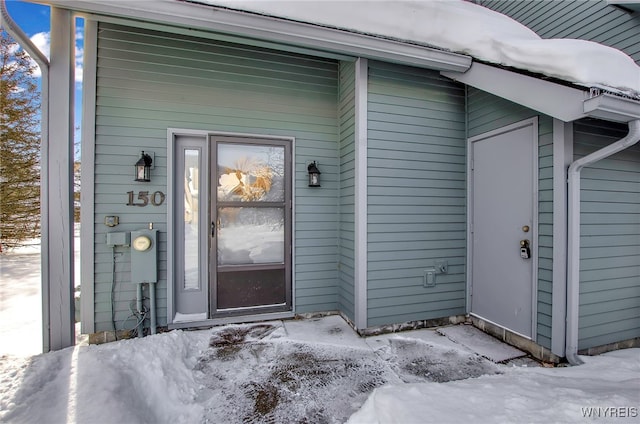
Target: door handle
x,y
213,229
525,250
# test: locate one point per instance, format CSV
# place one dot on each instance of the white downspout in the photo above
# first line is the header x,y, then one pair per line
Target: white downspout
x,y
573,253
16,32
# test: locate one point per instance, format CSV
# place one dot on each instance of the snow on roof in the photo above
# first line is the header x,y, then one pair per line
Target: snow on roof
x,y
462,27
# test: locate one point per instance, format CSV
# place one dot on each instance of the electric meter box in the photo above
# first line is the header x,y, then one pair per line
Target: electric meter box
x,y
144,256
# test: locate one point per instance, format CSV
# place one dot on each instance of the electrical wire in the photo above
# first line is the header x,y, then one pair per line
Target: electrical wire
x,y
140,316
113,291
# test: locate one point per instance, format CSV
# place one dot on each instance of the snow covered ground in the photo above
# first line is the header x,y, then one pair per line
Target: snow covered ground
x,y
315,371
20,301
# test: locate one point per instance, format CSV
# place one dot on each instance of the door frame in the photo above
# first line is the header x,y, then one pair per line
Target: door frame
x,y
533,122
172,133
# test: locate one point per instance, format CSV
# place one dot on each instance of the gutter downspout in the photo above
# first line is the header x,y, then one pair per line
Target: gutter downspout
x,y
573,253
23,40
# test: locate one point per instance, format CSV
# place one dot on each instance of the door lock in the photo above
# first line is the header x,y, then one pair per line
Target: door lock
x,y
525,250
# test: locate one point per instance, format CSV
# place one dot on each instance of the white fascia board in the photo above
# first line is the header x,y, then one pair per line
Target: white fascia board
x,y
211,18
555,100
633,5
612,108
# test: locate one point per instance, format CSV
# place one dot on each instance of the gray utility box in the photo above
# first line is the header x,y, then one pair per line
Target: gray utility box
x,y
144,256
117,239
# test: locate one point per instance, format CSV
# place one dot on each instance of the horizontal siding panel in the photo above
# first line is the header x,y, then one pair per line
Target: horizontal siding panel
x,y
115,92
609,337
407,313
610,252
149,110
346,254
148,81
416,193
610,237
419,299
626,309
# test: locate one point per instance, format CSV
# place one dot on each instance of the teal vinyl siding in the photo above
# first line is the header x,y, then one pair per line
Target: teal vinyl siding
x,y
593,20
346,249
148,81
416,194
610,238
486,113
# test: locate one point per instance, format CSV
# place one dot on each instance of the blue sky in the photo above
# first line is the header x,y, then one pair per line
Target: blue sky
x,y
34,19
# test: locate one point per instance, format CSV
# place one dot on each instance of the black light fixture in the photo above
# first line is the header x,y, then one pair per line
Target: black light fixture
x,y
314,175
143,168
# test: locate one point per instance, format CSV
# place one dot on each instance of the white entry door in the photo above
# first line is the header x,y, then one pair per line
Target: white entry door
x,y
503,207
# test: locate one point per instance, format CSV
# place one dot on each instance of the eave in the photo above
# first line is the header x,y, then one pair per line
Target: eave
x,y
559,101
209,18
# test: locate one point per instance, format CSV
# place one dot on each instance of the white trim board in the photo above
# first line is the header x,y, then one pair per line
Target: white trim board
x,y
559,101
562,158
58,276
87,194
360,210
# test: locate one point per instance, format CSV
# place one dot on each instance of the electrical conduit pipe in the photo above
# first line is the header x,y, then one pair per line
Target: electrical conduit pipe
x,y
573,248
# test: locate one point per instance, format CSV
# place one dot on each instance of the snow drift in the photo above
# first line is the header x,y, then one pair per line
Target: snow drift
x,y
463,27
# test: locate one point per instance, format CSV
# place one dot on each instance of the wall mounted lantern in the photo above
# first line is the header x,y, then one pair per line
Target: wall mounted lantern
x,y
314,174
143,168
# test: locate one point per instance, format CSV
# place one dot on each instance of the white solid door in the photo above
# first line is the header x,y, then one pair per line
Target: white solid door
x,y
502,216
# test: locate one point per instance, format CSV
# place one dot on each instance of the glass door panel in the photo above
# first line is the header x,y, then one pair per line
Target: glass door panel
x,y
250,173
252,226
191,222
190,213
250,236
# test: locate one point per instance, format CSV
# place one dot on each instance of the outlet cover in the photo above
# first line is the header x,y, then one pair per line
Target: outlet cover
x,y
429,277
442,267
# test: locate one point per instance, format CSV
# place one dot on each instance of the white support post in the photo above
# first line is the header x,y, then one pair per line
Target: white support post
x,y
87,178
360,277
57,277
562,158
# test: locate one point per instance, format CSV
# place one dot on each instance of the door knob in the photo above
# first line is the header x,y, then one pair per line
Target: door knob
x,y
525,228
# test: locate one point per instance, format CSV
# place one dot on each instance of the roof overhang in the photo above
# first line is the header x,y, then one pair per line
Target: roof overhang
x,y
559,101
632,5
210,18
612,108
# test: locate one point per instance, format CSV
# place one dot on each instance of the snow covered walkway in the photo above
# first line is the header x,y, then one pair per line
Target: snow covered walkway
x,y
314,371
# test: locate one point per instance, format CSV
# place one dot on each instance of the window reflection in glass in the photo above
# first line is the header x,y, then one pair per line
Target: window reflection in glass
x,y
250,236
250,173
191,208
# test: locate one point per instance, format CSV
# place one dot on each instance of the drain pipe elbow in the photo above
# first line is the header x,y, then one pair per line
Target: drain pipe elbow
x,y
573,242
16,32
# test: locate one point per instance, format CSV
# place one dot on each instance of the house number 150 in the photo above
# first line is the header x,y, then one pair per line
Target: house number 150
x,y
157,198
